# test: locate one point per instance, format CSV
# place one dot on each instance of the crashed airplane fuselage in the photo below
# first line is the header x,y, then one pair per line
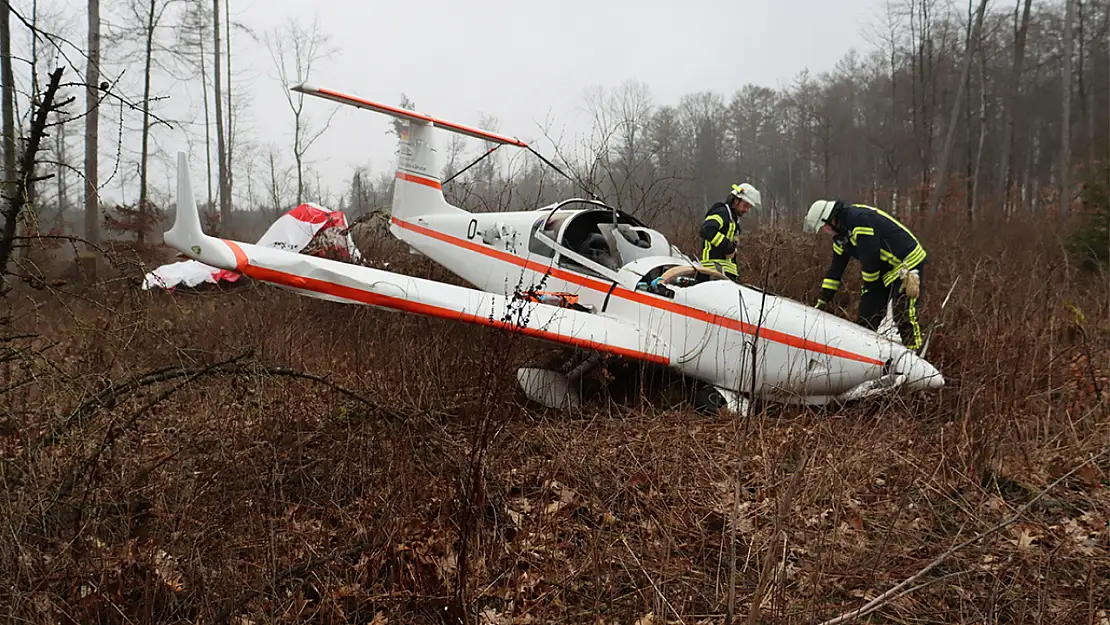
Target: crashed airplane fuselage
x,y
638,297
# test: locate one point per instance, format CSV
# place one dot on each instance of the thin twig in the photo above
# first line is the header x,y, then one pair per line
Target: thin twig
x,y
651,581
784,508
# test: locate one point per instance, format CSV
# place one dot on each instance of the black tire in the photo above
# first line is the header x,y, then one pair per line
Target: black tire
x,y
707,400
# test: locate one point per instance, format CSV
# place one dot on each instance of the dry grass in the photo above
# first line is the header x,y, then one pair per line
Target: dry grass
x,y
252,494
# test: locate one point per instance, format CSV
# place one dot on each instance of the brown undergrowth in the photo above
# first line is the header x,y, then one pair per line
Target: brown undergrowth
x,y
248,456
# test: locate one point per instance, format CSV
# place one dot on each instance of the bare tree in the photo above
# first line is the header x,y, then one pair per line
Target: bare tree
x,y
230,108
309,45
1005,168
277,185
7,94
976,178
24,178
194,32
946,154
221,151
92,120
1065,112
151,13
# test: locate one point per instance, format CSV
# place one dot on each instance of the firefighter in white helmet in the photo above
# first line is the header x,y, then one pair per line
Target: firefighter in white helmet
x,y
720,229
890,257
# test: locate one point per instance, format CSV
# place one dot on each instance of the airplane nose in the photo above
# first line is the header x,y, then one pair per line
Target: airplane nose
x,y
920,374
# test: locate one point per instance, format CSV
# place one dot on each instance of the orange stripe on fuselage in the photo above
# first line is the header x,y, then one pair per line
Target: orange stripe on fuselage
x,y
428,182
377,299
640,298
240,255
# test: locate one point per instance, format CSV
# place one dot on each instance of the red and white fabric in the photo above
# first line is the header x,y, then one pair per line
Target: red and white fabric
x,y
292,231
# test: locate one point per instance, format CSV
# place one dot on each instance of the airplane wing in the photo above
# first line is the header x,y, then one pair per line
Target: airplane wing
x,y
336,281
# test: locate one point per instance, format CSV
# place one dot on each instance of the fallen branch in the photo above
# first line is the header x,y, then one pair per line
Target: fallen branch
x,y
292,373
110,437
110,396
895,592
226,367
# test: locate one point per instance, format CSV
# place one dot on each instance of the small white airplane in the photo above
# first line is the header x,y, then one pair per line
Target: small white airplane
x,y
610,285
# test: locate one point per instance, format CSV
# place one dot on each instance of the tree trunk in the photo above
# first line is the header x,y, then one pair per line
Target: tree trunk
x,y
300,169
928,91
1065,114
1086,92
7,93
274,195
230,128
221,153
976,178
969,164
92,119
1004,176
60,146
207,119
950,139
140,234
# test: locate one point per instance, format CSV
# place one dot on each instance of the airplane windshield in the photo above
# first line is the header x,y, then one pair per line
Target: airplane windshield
x,y
597,232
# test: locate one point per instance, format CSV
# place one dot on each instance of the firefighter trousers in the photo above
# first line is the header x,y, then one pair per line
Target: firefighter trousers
x,y
872,309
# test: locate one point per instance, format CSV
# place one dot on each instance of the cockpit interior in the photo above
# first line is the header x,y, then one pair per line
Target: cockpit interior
x,y
587,227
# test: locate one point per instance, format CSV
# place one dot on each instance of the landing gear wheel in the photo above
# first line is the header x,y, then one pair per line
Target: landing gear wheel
x,y
708,400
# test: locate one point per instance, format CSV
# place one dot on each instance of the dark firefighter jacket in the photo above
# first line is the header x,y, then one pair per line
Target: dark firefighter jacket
x,y
880,242
718,231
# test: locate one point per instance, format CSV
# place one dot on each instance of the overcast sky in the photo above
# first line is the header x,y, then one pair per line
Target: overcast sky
x,y
526,63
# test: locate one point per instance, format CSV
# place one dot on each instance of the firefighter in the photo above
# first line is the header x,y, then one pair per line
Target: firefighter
x,y
720,229
890,256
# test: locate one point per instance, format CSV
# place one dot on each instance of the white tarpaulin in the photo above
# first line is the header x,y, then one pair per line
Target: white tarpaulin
x,y
292,231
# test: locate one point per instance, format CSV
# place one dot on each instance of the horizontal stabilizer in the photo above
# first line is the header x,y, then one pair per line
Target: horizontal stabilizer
x,y
406,114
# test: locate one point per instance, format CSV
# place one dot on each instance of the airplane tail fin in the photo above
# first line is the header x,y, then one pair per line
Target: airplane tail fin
x,y
418,189
186,233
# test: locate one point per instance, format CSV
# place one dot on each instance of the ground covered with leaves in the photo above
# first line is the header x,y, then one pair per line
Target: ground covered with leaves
x,y
249,456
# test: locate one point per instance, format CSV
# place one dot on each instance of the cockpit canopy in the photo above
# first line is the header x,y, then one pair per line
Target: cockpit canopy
x,y
597,232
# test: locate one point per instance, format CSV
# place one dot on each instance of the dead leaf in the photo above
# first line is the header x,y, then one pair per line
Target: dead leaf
x,y
638,479
646,619
1026,539
1088,476
854,519
1025,535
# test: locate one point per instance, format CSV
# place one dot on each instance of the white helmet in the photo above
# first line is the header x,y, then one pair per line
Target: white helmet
x,y
747,193
818,215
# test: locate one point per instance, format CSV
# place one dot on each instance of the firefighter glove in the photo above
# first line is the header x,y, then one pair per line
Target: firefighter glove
x,y
911,283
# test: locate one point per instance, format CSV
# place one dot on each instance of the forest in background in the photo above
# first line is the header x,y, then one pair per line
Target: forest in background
x,y
977,98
